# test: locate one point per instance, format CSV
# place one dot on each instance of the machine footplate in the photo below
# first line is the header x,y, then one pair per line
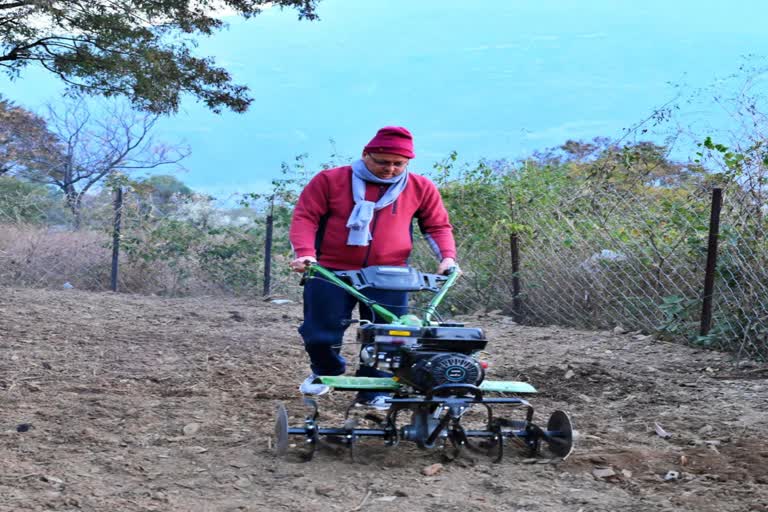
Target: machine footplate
x,y
360,383
506,386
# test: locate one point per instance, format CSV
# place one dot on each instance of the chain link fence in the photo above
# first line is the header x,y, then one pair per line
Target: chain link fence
x,y
591,258
615,260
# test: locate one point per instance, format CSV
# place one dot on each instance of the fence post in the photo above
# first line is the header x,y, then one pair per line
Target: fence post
x,y
116,235
517,313
709,271
268,250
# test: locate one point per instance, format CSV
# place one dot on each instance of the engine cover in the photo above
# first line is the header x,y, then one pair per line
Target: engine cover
x,y
446,368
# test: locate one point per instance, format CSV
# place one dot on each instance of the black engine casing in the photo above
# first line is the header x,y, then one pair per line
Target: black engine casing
x,y
445,368
424,357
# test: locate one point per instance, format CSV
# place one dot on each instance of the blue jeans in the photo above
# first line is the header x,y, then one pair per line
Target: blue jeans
x,y
327,308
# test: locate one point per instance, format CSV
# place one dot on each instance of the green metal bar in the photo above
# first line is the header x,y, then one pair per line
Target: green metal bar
x,y
505,386
369,383
432,307
330,276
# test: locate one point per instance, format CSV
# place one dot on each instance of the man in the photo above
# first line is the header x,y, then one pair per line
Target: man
x,y
357,216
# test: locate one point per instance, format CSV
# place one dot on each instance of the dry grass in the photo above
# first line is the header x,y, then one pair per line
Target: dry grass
x,y
42,257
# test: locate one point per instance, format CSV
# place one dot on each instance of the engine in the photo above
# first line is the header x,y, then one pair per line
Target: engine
x,y
447,368
424,357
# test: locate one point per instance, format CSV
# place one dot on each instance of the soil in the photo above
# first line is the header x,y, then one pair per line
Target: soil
x,y
129,403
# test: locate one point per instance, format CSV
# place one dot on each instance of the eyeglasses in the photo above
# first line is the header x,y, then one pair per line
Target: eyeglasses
x,y
387,163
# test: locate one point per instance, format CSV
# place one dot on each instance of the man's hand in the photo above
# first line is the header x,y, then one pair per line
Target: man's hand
x,y
446,264
301,264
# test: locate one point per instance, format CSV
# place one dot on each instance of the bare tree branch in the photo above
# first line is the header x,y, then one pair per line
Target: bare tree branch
x,y
94,147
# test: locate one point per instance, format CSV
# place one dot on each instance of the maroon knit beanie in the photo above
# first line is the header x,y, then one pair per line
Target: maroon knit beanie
x,y
392,139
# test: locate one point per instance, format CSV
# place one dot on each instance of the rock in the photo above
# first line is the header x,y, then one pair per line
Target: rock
x,y
671,475
432,470
191,429
236,316
619,330
568,375
603,473
56,482
324,490
67,286
661,432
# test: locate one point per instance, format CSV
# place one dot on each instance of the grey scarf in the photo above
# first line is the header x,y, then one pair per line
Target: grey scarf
x,y
359,222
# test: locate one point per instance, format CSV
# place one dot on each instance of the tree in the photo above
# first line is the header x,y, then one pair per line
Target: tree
x,y
160,195
142,49
25,202
93,149
25,141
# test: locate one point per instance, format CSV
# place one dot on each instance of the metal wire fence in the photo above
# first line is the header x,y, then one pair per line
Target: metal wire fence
x,y
615,260
591,258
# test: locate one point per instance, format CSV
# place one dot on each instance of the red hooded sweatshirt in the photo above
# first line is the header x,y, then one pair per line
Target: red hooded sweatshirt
x,y
319,224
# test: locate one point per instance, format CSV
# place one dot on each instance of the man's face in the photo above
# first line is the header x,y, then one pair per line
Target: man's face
x,y
385,165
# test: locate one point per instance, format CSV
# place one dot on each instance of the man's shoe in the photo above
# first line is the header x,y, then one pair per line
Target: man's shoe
x,y
308,387
378,402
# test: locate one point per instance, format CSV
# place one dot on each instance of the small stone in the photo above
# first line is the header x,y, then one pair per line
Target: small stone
x,y
432,470
191,429
52,480
619,330
568,375
324,490
661,432
236,316
671,475
603,473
